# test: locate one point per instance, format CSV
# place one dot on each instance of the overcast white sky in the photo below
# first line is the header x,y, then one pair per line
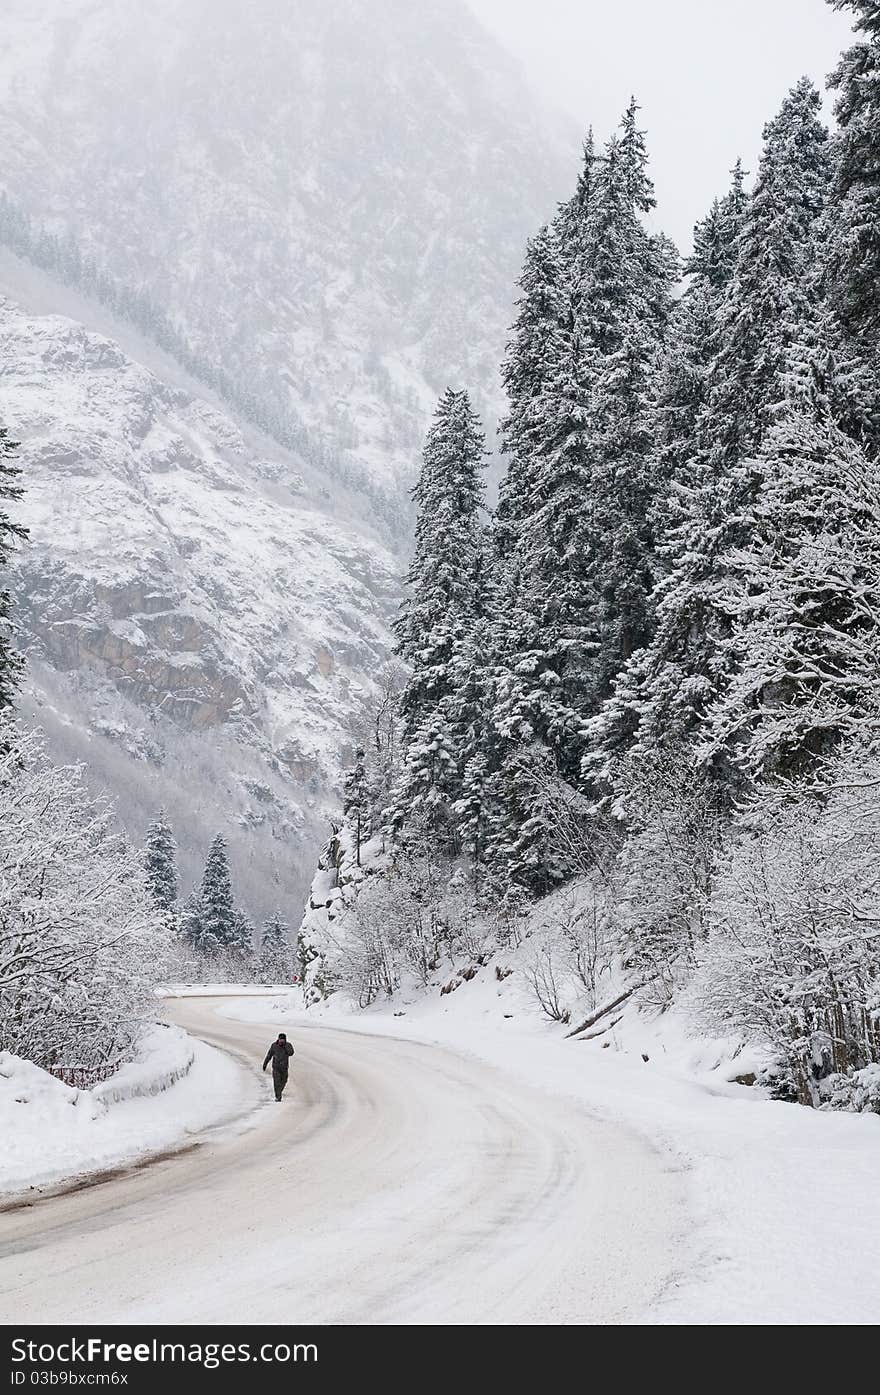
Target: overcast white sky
x,y
708,74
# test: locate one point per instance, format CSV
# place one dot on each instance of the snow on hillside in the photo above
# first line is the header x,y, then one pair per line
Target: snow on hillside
x,y
200,614
329,199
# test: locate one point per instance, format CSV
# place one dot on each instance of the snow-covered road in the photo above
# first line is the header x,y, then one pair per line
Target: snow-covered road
x,y
396,1182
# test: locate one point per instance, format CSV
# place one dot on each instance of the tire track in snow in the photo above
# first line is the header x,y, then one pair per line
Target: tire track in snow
x,y
396,1182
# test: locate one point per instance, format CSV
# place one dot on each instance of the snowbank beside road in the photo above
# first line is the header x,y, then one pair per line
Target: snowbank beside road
x,y
50,1132
784,1200
165,1055
223,990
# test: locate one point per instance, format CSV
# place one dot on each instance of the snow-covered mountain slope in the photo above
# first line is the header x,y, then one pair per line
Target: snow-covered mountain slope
x,y
329,198
199,616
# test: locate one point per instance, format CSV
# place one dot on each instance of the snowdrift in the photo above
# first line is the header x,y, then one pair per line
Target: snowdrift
x,y
50,1132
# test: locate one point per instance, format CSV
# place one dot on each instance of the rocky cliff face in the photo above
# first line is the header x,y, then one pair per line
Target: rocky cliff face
x,y
199,617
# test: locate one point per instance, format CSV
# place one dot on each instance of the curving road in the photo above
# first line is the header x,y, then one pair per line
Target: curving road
x,y
395,1183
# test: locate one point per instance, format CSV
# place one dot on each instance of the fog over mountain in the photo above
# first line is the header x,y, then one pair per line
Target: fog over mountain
x,y
318,210
328,200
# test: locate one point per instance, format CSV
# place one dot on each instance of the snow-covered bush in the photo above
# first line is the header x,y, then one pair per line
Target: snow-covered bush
x,y
664,868
394,926
859,1092
81,940
793,954
183,964
368,952
570,949
470,928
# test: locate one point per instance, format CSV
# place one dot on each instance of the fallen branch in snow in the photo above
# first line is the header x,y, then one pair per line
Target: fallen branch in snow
x,y
591,1036
601,1012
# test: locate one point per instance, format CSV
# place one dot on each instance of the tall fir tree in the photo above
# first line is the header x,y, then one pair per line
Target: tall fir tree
x,y
769,306
220,926
543,308
678,424
10,534
193,927
683,379
804,604
160,863
626,305
443,609
576,539
243,941
276,951
855,232
356,801
852,268
773,291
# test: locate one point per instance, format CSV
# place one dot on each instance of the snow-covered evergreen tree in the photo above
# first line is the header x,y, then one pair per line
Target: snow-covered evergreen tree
x,y
690,345
769,309
192,925
160,863
276,951
356,800
10,534
772,293
852,235
243,939
216,894
625,306
441,613
211,921
429,782
575,510
855,228
805,603
528,366
678,424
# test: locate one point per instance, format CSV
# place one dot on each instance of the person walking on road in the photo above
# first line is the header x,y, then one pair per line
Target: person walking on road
x,y
279,1054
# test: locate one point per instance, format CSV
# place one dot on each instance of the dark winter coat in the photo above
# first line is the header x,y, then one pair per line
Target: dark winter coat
x,y
279,1054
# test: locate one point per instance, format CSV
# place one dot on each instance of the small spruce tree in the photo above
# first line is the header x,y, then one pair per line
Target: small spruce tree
x,y
160,863
10,534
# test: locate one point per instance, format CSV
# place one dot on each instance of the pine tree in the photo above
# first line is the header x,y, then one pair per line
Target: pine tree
x,y
535,344
527,843
160,863
677,425
429,786
804,603
473,807
243,937
683,381
276,951
441,613
355,801
769,307
193,927
575,509
625,305
855,229
10,534
220,927
773,291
